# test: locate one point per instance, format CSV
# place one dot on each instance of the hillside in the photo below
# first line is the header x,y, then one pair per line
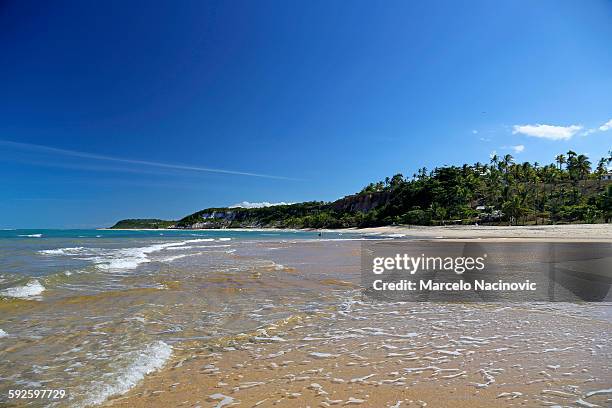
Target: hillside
x,y
142,223
502,192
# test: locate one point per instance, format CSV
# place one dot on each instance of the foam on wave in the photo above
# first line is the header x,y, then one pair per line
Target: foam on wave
x,y
30,290
123,258
140,363
62,251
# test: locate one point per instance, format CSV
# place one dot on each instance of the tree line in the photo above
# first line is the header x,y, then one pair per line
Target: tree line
x,y
501,192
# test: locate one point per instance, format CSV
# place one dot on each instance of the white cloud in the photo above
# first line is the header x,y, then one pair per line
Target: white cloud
x,y
603,128
588,132
247,204
550,132
475,131
518,148
606,126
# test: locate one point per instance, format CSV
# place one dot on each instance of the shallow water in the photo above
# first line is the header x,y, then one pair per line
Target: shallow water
x,y
93,312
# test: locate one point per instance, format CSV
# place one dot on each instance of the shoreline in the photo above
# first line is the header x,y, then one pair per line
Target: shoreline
x,y
282,321
570,232
566,232
352,351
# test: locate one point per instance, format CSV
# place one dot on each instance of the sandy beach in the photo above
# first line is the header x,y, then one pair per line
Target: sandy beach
x,y
280,318
392,356
570,232
347,350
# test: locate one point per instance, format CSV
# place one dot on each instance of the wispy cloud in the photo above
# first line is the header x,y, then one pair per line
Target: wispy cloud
x,y
247,204
516,148
95,168
603,128
93,156
606,126
550,132
589,132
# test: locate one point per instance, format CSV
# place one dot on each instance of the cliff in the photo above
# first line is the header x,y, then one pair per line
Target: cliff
x,y
362,202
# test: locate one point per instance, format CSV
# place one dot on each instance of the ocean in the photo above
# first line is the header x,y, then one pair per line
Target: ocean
x,y
92,312
203,318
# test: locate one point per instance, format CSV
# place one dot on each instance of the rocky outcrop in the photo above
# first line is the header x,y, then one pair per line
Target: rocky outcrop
x,y
362,202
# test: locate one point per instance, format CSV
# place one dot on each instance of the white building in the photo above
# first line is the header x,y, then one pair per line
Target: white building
x,y
607,176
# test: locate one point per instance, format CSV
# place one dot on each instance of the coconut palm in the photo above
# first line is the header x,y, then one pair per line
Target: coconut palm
x,y
508,160
515,208
494,160
560,159
601,170
582,166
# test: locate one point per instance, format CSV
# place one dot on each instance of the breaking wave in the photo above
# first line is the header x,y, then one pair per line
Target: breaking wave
x,y
122,258
63,251
140,363
29,291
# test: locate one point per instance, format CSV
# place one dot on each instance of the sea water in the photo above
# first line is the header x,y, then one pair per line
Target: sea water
x,y
94,311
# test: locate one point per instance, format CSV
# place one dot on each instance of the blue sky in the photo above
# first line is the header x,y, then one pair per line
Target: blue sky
x,y
118,109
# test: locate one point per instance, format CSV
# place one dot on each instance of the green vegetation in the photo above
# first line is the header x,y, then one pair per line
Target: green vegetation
x,y
143,224
501,192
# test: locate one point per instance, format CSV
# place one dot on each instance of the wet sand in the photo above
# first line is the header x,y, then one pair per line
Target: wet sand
x,y
395,355
347,350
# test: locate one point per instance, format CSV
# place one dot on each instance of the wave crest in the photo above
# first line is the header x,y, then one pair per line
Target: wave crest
x,y
29,291
142,362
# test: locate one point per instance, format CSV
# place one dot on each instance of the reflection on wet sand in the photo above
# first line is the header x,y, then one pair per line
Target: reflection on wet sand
x,y
346,349
398,354
285,324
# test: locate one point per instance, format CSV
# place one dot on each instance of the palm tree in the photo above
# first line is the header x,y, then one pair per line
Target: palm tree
x,y
582,166
494,160
505,163
571,165
422,173
601,170
560,159
514,208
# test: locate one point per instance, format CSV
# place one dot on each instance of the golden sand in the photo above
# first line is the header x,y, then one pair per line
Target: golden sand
x,y
393,355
